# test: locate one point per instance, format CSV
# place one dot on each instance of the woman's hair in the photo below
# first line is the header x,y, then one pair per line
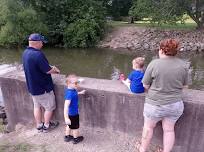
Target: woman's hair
x,y
169,47
139,62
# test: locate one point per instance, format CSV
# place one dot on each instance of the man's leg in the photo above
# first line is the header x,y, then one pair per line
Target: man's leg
x,y
168,135
49,105
37,111
147,133
47,117
38,115
38,118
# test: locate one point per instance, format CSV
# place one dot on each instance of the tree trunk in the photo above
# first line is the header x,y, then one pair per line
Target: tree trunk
x,y
131,19
200,23
197,14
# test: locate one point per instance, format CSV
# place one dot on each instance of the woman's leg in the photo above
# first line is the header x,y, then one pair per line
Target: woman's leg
x,y
168,135
147,133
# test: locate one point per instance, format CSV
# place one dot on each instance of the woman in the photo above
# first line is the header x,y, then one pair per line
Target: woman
x,y
164,79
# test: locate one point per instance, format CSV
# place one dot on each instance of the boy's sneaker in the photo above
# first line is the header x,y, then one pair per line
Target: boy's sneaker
x,y
68,138
52,125
78,139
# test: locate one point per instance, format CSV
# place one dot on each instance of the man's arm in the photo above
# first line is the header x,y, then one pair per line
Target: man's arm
x,y
53,70
44,66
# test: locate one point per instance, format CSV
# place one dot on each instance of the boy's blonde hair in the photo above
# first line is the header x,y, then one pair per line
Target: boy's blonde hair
x,y
70,78
138,62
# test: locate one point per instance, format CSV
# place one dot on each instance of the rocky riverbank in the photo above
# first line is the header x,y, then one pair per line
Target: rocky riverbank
x,y
139,38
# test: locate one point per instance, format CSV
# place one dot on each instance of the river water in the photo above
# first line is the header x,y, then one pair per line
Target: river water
x,y
104,63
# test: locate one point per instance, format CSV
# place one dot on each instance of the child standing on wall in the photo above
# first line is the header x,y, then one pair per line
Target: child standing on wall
x,y
134,80
71,113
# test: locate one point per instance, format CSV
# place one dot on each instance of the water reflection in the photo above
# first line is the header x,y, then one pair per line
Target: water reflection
x,y
104,63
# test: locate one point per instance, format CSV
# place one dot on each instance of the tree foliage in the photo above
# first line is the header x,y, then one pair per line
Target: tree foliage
x,y
195,9
117,8
17,21
55,19
169,11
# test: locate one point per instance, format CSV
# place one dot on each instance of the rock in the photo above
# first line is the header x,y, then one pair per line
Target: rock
x,y
194,48
137,46
146,46
202,47
181,49
149,39
188,48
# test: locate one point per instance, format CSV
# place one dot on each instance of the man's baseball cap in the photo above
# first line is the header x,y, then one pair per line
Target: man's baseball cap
x,y
37,37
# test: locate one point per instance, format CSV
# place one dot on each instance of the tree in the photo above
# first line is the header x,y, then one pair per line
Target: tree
x,y
195,9
64,16
17,21
117,8
53,18
169,11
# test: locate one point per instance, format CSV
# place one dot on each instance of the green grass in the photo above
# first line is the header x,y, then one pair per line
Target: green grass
x,y
22,147
2,127
189,24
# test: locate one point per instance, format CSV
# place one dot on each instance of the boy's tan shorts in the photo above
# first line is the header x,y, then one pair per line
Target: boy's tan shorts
x,y
46,100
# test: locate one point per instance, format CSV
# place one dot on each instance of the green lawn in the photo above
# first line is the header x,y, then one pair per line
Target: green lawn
x,y
2,127
189,24
21,147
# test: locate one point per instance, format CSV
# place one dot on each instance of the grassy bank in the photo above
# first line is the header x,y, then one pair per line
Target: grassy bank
x,y
21,147
188,25
2,127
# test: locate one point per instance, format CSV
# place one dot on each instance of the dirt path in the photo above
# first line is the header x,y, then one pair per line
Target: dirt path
x,y
26,139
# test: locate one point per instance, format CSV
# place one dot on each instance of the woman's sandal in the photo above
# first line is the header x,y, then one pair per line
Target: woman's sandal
x,y
138,146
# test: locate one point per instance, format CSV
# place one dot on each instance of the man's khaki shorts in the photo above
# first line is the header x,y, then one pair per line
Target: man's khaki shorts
x,y
46,100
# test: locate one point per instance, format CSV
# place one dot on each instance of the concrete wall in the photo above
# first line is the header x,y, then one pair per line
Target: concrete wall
x,y
109,105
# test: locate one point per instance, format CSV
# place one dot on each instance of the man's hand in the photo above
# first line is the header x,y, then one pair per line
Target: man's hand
x,y
56,69
67,121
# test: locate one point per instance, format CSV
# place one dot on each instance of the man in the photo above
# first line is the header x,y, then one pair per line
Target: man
x,y
39,82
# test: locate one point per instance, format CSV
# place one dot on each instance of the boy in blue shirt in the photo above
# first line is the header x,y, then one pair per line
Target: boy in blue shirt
x,y
134,80
71,113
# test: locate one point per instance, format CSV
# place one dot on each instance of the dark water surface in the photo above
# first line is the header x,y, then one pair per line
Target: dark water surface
x,y
104,63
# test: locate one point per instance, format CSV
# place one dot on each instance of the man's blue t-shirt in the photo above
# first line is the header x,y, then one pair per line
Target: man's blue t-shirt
x,y
36,67
72,95
135,78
